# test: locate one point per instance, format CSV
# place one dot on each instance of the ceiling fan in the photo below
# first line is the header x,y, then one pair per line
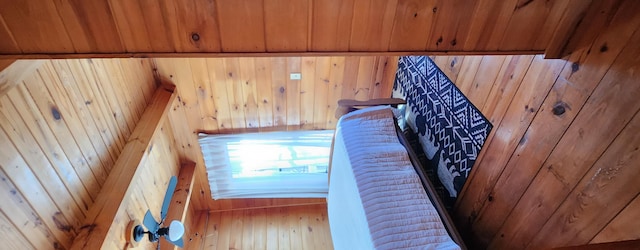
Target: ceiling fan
x,y
172,233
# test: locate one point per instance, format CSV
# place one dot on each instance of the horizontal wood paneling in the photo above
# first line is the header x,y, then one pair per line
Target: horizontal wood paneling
x,y
555,171
231,95
116,26
298,227
61,130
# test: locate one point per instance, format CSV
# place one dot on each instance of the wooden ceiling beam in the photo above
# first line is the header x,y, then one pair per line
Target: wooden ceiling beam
x,y
580,26
119,185
14,71
263,54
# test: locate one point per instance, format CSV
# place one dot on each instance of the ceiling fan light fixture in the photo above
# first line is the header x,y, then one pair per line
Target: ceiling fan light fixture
x,y
176,230
172,233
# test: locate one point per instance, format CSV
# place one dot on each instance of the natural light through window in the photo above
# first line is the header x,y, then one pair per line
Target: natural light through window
x,y
290,164
251,158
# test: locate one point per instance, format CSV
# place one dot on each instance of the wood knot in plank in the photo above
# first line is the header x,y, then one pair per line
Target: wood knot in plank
x,y
604,48
55,113
195,36
575,67
59,220
439,41
559,108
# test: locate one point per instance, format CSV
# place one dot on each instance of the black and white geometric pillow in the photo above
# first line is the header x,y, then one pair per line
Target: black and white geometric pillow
x,y
450,128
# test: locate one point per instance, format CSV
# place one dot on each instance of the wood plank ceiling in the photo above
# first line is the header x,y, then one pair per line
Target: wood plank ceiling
x,y
117,27
566,128
62,129
560,167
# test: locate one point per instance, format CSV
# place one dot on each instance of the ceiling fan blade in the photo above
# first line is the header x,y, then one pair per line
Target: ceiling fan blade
x,y
149,222
178,243
167,197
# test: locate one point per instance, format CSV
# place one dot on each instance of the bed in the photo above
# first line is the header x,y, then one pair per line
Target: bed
x,y
379,197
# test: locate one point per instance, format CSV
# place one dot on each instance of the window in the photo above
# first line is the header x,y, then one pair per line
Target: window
x,y
290,164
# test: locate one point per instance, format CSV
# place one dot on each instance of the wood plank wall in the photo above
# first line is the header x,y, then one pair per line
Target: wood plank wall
x,y
61,130
300,227
560,167
230,95
123,26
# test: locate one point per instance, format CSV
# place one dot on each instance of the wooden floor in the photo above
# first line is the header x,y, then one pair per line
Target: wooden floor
x,y
297,227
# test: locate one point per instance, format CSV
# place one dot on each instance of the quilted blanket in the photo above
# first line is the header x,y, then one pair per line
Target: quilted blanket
x,y
450,128
376,199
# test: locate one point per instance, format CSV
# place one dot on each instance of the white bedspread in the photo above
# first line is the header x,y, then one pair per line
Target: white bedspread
x,y
376,199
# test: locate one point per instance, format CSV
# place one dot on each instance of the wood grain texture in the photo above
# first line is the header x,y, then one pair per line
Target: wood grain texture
x,y
89,26
60,142
185,143
8,44
293,92
272,26
161,163
35,26
541,187
197,25
561,173
15,72
535,14
570,90
490,19
297,227
522,109
451,25
608,186
483,80
101,225
331,24
620,245
241,25
412,24
571,18
130,22
199,237
286,19
592,17
372,24
622,226
179,207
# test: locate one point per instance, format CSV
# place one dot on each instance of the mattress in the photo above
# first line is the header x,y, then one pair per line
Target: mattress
x,y
376,199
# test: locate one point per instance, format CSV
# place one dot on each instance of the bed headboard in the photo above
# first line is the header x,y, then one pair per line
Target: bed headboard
x,y
450,128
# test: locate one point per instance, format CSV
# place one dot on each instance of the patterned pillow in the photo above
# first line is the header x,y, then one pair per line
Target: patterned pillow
x,y
450,128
